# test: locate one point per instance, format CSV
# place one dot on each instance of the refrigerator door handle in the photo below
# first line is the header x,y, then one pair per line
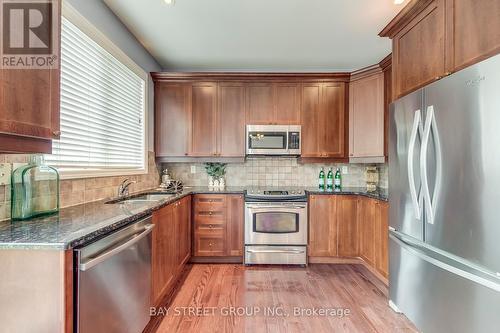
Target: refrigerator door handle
x,y
430,203
415,198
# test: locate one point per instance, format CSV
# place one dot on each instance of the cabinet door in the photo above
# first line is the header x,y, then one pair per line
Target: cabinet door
x,y
183,219
260,104
419,50
172,119
203,119
234,225
332,120
231,131
366,223
164,252
476,27
347,225
366,117
322,226
287,106
382,238
310,110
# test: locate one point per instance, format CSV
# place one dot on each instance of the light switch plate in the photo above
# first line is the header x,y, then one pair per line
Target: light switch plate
x,y
345,170
5,171
193,168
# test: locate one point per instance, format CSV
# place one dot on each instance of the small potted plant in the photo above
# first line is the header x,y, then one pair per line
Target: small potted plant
x,y
216,173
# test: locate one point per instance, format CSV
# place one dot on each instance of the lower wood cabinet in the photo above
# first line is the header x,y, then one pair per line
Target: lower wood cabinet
x,y
218,225
349,226
171,247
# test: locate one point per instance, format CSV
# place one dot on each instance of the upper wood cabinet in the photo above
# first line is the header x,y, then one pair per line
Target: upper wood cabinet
x,y
204,119
29,108
366,118
231,119
476,30
273,103
323,122
433,38
260,103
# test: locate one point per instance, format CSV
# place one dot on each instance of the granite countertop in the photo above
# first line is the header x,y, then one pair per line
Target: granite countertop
x,y
78,225
379,194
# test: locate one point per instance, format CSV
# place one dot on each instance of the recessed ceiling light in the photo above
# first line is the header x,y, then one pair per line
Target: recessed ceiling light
x,y
396,2
170,2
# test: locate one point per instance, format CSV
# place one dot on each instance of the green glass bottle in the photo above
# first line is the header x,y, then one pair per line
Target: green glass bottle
x,y
34,190
338,179
321,179
329,179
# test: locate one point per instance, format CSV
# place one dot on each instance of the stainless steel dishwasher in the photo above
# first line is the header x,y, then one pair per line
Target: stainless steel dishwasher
x,y
114,281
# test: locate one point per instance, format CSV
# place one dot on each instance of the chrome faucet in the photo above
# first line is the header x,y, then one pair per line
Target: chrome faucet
x,y
123,188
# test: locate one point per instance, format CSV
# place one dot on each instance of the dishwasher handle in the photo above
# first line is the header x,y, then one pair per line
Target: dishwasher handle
x,y
116,249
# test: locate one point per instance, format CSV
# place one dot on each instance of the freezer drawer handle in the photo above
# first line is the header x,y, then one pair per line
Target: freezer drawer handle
x,y
277,251
120,247
415,198
430,204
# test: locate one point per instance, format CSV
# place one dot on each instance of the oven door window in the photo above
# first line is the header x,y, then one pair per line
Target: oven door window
x,y
276,223
267,140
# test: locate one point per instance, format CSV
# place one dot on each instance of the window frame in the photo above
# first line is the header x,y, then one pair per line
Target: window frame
x,y
73,16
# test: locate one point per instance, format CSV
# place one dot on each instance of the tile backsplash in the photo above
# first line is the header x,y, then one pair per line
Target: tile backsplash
x,y
272,171
78,191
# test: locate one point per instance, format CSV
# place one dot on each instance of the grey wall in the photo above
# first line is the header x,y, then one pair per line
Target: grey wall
x,y
96,12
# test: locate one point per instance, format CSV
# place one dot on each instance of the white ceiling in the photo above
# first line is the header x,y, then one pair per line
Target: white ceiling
x,y
260,35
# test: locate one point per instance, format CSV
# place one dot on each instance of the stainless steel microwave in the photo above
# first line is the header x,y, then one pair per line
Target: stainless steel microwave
x,y
273,139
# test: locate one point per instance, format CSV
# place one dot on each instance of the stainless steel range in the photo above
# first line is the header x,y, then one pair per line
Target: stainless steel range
x,y
276,226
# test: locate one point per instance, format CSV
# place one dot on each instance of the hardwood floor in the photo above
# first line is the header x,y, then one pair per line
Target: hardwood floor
x,y
203,303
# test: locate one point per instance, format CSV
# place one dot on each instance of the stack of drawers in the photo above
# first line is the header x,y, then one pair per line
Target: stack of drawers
x,y
209,225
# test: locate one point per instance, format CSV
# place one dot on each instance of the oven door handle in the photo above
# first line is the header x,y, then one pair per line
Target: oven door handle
x,y
276,251
257,207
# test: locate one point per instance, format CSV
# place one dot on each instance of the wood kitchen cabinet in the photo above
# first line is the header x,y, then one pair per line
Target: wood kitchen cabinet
x,y
30,108
347,222
366,117
433,38
231,119
382,238
366,224
204,119
273,103
172,119
171,246
218,225
323,122
476,30
322,226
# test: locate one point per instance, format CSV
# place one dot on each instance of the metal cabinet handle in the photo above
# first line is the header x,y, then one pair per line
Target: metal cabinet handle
x,y
131,241
416,130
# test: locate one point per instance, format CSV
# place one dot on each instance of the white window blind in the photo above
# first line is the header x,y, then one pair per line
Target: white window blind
x,y
102,109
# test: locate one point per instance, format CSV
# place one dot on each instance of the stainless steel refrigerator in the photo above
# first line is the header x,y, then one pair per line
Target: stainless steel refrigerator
x,y
444,194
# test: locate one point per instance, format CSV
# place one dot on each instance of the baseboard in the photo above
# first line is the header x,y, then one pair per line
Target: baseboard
x,y
216,260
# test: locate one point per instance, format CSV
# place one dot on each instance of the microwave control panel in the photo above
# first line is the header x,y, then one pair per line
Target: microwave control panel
x,y
293,140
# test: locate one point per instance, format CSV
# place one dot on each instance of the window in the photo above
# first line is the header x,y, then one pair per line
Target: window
x,y
103,103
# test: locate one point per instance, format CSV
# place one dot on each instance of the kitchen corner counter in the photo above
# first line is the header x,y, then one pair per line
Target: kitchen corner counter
x,y
78,225
379,194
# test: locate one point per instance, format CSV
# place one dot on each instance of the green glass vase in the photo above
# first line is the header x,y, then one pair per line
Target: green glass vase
x,y
35,190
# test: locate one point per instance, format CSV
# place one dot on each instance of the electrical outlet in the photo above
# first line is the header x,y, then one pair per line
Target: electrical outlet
x,y
345,170
5,171
193,168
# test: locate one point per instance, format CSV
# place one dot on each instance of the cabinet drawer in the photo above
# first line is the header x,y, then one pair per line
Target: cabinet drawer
x,y
205,220
209,201
209,242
